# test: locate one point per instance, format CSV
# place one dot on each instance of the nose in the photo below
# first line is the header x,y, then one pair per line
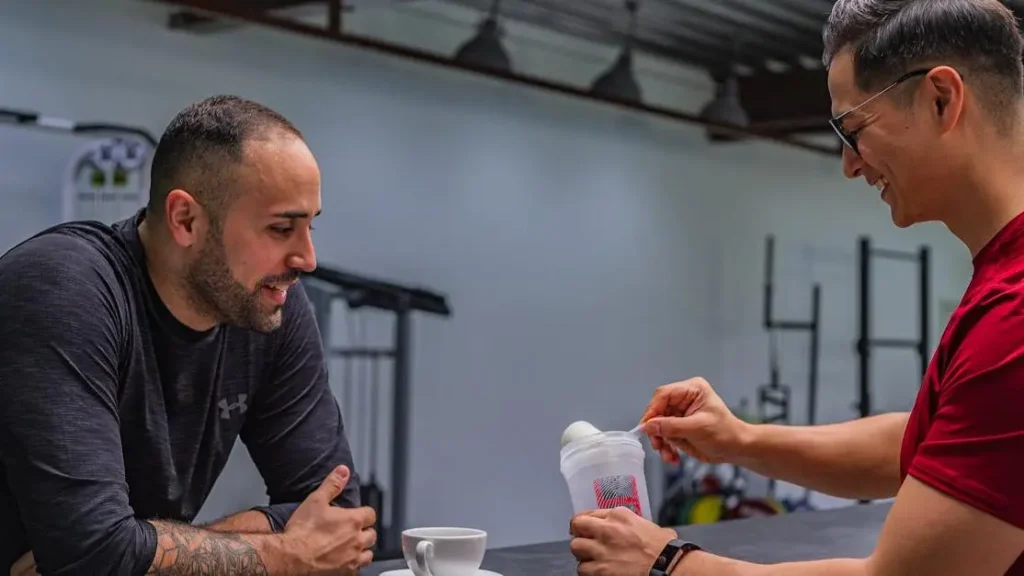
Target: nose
x,y
853,164
304,256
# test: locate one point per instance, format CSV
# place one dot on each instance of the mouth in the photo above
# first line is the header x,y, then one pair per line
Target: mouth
x,y
881,185
276,293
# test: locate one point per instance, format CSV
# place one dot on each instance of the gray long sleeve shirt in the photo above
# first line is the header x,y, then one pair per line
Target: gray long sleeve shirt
x,y
112,412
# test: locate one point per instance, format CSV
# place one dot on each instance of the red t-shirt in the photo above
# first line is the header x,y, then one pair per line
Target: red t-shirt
x,y
965,436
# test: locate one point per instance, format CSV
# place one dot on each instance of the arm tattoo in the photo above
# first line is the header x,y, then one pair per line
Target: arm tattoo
x,y
183,549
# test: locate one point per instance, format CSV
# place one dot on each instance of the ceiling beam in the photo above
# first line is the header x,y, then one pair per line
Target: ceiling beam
x,y
189,21
219,9
787,102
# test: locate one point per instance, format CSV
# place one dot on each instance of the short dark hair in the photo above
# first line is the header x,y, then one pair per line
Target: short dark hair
x,y
201,142
888,38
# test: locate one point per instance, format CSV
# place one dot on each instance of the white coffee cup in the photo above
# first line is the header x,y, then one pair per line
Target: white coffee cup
x,y
444,551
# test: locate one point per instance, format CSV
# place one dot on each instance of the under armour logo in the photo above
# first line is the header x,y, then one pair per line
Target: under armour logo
x,y
225,408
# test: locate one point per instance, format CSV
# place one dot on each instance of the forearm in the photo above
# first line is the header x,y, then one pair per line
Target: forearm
x,y
248,522
183,549
855,459
701,563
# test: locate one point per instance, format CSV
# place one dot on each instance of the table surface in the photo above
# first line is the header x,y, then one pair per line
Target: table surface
x,y
849,532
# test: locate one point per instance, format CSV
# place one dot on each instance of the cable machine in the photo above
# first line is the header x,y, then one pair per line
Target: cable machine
x,y
865,341
38,121
108,178
325,286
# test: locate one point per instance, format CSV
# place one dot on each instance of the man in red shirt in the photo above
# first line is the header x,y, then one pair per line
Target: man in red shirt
x,y
928,100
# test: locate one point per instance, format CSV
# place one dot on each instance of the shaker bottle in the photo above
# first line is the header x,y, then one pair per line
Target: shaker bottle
x,y
606,470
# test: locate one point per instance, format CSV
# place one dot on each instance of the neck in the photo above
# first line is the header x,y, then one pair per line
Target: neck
x,y
163,271
989,197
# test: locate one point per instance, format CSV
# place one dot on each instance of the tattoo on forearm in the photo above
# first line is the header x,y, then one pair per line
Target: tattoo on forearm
x,y
183,549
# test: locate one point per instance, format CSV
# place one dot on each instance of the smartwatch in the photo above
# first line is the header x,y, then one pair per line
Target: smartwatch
x,y
670,556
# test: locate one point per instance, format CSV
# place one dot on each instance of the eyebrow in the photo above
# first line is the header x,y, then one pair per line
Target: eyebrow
x,y
292,214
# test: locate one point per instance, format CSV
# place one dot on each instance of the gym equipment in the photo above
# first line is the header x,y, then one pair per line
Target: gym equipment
x,y
324,286
865,341
38,121
701,495
775,393
108,178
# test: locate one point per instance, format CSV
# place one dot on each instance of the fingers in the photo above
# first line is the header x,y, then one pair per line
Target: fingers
x,y
332,486
674,428
368,538
675,399
585,549
365,558
368,518
587,524
25,566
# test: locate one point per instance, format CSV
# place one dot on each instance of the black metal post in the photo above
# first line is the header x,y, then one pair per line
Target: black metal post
x,y
864,329
400,425
925,308
812,378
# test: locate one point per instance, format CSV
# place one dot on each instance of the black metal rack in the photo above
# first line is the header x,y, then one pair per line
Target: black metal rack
x,y
361,292
774,393
865,341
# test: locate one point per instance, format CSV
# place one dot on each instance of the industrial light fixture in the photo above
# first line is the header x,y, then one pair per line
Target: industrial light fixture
x,y
618,81
484,49
726,108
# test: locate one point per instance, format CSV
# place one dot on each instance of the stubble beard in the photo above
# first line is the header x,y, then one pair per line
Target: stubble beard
x,y
215,292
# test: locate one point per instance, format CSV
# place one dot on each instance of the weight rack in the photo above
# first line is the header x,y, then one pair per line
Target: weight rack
x,y
865,341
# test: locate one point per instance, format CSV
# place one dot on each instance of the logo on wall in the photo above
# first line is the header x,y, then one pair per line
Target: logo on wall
x,y
107,180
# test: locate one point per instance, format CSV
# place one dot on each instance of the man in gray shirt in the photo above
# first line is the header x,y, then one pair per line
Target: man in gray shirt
x,y
134,354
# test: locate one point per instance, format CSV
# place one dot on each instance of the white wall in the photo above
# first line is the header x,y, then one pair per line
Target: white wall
x,y
589,254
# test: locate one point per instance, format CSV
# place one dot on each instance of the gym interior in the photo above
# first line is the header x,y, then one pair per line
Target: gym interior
x,y
534,213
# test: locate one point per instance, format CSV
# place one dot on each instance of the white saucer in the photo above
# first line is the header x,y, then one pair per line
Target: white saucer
x,y
408,572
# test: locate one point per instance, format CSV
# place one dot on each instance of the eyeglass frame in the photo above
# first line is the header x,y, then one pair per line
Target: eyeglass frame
x,y
837,122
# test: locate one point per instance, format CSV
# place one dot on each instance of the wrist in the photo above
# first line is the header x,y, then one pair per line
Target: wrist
x,y
281,553
747,438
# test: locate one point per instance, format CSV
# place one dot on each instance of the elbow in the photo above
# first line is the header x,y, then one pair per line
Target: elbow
x,y
124,549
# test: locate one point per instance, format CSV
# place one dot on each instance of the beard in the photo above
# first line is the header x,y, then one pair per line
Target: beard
x,y
215,292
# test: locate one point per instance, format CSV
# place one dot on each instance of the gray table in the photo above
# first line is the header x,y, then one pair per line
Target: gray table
x,y
842,533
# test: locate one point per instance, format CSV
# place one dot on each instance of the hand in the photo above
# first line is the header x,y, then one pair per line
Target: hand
x,y
690,417
331,540
616,542
25,566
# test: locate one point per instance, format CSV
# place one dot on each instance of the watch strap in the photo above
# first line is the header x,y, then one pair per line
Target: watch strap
x,y
670,556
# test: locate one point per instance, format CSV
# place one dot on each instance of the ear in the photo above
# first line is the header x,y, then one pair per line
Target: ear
x,y
185,218
945,93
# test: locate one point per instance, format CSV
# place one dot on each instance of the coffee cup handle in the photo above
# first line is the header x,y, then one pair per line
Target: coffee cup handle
x,y
425,557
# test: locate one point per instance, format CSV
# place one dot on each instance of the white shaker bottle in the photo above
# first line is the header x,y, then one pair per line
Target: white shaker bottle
x,y
604,470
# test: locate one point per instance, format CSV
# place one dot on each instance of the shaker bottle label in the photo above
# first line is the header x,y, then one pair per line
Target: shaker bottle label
x,y
618,490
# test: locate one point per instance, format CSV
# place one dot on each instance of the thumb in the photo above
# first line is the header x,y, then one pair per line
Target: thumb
x,y
672,426
332,485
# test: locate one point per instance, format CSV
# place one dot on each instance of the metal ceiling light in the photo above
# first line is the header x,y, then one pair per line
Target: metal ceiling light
x,y
485,49
618,81
726,108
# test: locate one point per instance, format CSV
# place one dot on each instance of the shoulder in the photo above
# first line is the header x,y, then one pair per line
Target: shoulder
x,y
986,332
71,267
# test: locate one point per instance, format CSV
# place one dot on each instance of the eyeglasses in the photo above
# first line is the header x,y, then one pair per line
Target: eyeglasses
x,y
849,138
